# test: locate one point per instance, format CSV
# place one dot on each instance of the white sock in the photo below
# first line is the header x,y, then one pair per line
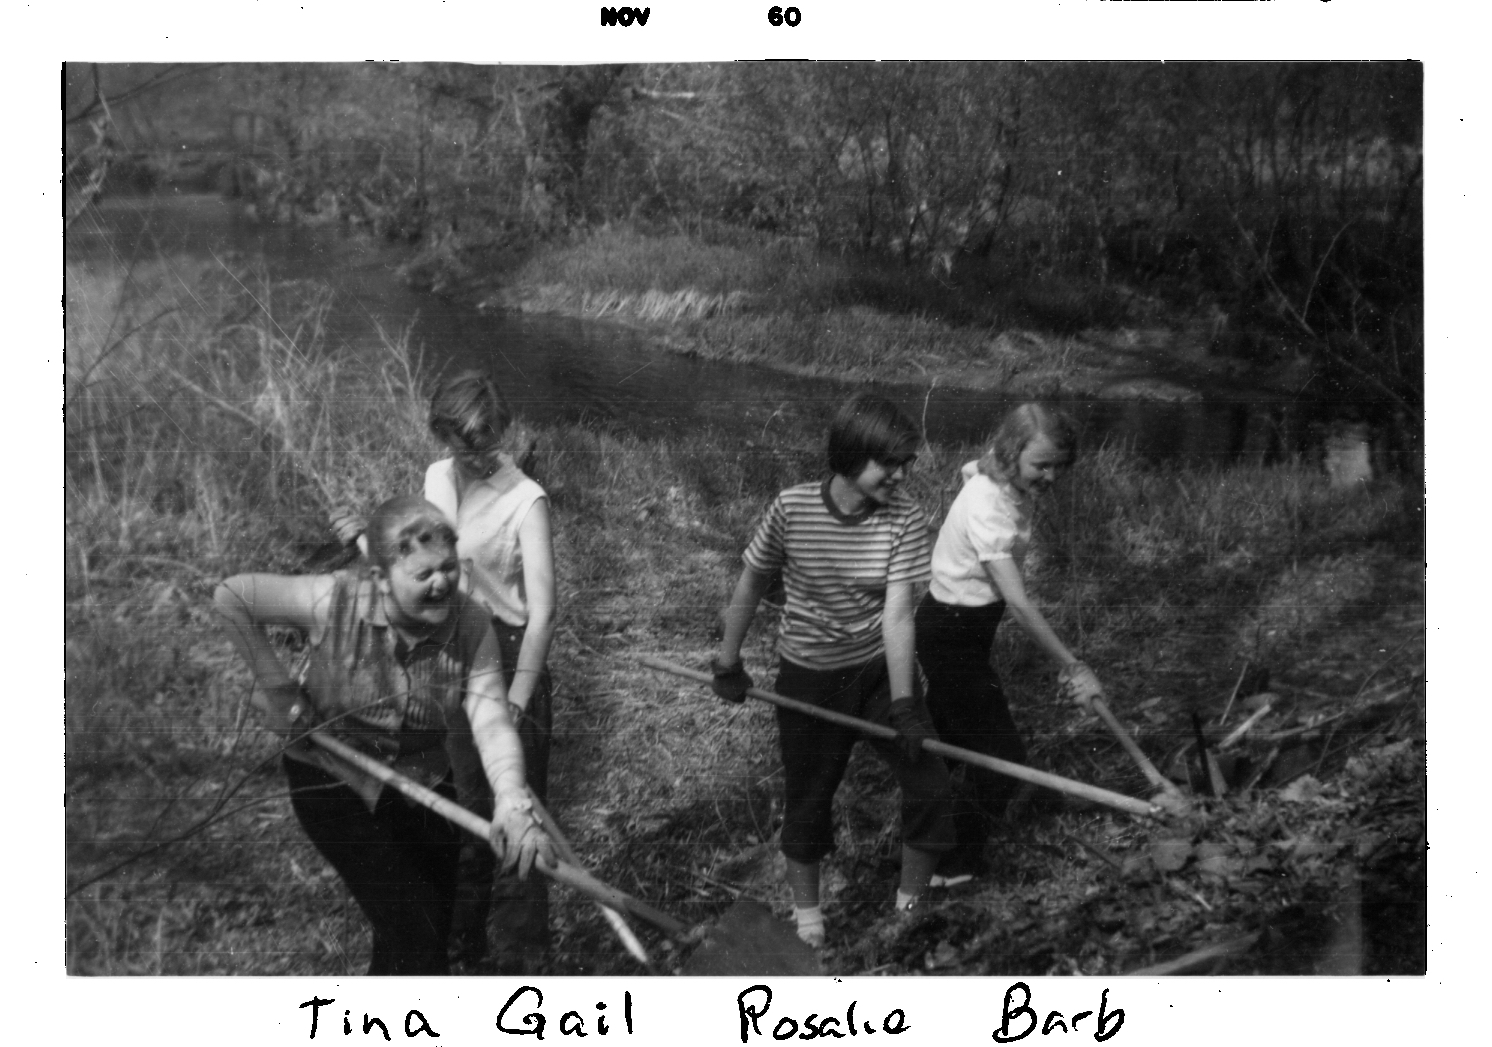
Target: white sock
x,y
904,901
810,924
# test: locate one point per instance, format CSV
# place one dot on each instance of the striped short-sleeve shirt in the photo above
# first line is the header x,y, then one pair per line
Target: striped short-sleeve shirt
x,y
402,705
835,570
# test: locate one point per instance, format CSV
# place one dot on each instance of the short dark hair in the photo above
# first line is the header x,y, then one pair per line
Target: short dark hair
x,y
404,524
870,427
468,409
1023,424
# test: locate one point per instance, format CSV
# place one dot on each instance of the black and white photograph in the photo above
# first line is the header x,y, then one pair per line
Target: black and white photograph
x,y
747,519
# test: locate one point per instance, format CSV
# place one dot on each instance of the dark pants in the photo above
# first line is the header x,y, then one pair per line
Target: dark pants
x,y
815,755
398,860
520,908
969,710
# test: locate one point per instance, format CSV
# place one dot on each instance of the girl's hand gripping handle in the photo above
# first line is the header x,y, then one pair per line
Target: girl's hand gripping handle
x,y
1080,684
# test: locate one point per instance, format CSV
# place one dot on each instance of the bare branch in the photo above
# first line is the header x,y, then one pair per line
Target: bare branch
x,y
679,96
159,80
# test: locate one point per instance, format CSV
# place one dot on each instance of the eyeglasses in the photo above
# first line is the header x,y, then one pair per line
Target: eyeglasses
x,y
891,463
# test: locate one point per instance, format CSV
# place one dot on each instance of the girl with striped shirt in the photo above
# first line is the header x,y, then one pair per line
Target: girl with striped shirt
x,y
852,550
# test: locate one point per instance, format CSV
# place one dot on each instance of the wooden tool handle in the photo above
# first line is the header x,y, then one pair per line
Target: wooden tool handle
x,y
618,922
561,872
1118,801
1135,752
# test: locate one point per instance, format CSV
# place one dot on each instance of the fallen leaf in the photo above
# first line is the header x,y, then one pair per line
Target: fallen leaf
x,y
1304,788
1219,865
1310,847
943,955
1170,855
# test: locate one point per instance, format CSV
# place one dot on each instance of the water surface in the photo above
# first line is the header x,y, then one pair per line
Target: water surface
x,y
559,368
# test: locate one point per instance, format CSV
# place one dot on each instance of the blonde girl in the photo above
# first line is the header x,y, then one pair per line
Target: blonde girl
x,y
976,579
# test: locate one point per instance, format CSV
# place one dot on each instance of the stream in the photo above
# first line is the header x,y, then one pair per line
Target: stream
x,y
552,367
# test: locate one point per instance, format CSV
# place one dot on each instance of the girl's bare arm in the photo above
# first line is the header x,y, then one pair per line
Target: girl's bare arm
x,y
537,547
737,616
897,632
515,833
1007,579
492,726
249,602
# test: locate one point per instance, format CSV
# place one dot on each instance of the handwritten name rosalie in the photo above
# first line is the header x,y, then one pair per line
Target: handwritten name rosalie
x,y
526,1014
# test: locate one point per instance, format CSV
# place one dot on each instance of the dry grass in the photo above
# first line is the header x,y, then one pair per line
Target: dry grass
x,y
780,303
651,306
623,260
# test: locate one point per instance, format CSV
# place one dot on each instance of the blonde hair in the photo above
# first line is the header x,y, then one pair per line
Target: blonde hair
x,y
1023,424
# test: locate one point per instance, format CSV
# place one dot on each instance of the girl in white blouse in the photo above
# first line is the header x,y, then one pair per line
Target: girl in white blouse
x,y
504,543
976,578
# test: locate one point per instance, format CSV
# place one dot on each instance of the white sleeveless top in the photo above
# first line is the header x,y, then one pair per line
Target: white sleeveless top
x,y
487,520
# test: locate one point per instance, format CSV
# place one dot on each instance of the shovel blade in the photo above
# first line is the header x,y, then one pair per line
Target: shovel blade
x,y
749,940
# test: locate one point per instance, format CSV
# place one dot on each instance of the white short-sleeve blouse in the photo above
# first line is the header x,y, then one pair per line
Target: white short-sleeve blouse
x,y
988,521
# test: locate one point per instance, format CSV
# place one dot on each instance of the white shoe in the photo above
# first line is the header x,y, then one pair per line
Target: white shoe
x,y
957,880
811,928
812,936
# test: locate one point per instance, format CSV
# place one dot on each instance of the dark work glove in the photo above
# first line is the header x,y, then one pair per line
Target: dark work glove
x,y
288,710
731,682
913,725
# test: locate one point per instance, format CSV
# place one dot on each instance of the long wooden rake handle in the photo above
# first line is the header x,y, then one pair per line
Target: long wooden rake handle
x,y
564,872
619,925
1118,801
1136,754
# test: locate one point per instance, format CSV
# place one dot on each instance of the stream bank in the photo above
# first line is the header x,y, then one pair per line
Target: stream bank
x,y
1109,350
676,373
